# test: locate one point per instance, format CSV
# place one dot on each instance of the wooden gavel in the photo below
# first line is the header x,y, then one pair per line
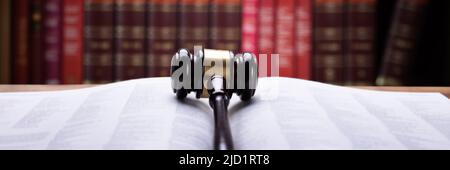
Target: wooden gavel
x,y
217,75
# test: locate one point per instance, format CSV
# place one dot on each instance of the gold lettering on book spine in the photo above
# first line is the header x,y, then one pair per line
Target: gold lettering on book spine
x,y
329,7
134,32
328,33
198,33
122,59
99,59
228,8
225,33
106,6
162,8
98,32
162,33
131,6
194,8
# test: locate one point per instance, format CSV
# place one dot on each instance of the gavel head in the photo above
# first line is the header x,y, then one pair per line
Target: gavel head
x,y
195,72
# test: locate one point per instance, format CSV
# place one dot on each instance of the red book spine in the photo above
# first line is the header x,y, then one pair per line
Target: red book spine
x,y
130,39
250,26
225,25
328,41
402,42
360,42
36,43
162,36
303,38
52,40
98,41
72,42
20,42
285,40
266,32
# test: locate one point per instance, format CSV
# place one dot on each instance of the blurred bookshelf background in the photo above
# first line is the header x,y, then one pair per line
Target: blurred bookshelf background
x,y
345,42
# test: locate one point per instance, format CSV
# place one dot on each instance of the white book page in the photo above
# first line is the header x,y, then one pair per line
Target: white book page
x,y
409,128
284,114
433,108
311,115
285,121
33,117
152,118
13,107
138,114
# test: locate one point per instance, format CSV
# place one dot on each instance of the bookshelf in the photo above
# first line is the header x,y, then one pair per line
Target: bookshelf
x,y
344,42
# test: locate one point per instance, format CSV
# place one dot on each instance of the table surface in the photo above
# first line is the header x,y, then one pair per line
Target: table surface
x,y
28,88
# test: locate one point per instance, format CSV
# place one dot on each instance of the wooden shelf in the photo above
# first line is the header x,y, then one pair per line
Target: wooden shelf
x,y
444,90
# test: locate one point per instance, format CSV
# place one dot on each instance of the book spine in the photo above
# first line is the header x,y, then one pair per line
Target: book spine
x,y
402,42
72,42
193,23
266,32
225,25
328,41
285,39
250,26
5,51
36,42
446,75
162,36
52,40
129,39
98,41
360,42
20,42
303,38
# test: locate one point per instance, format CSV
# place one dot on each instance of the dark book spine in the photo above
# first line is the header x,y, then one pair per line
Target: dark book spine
x,y
303,38
20,42
162,36
285,37
5,37
225,25
98,41
52,40
36,42
360,42
328,41
192,23
72,42
129,39
266,32
446,75
250,26
402,42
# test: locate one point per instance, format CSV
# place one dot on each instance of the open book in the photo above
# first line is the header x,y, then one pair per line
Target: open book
x,y
284,114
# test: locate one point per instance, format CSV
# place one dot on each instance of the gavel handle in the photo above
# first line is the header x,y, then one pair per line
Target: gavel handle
x,y
222,134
